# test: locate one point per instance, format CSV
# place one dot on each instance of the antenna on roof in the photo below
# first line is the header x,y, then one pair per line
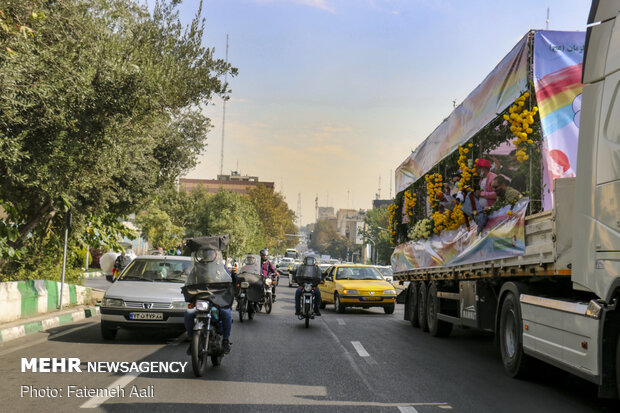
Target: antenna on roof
x,y
547,21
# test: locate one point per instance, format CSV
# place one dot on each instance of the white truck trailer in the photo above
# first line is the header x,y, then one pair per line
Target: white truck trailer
x,y
559,300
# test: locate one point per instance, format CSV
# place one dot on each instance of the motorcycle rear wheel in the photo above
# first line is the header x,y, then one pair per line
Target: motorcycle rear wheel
x,y
268,304
251,311
199,356
307,321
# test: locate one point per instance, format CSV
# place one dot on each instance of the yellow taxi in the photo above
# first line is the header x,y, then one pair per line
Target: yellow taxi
x,y
354,285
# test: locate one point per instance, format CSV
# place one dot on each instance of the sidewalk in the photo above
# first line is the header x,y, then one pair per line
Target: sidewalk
x,y
23,327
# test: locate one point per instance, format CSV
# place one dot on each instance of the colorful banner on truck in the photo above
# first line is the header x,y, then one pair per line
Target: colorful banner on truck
x,y
498,91
503,236
558,58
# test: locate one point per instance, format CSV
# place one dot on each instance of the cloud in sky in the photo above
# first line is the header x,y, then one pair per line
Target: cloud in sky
x,y
317,4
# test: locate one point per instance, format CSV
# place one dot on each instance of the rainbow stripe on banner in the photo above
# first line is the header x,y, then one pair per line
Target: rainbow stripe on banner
x,y
558,58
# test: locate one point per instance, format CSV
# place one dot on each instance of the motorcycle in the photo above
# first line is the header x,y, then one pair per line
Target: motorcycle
x,y
207,340
307,303
208,290
268,294
244,305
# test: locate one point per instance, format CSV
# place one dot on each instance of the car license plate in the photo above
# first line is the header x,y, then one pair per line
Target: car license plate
x,y
371,298
146,316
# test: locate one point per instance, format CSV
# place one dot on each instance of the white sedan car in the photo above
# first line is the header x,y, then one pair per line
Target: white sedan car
x,y
146,295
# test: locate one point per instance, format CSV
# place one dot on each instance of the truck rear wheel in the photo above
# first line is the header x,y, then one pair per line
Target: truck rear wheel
x,y
413,305
516,362
422,294
437,328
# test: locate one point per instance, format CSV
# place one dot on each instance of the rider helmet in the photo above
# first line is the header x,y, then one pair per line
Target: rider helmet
x,y
264,253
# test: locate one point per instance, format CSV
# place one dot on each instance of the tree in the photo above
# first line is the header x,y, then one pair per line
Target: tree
x,y
158,229
100,105
275,215
376,219
227,212
325,238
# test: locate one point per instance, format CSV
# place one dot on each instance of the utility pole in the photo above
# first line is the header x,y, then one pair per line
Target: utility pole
x,y
390,184
224,114
299,209
547,21
316,208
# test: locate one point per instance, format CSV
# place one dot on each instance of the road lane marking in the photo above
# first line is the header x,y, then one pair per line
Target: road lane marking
x,y
370,361
46,339
121,382
408,409
360,349
341,321
351,361
445,407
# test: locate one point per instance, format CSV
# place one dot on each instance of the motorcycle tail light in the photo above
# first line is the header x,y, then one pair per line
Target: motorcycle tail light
x,y
190,305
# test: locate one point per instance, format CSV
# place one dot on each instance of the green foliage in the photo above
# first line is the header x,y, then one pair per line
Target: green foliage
x,y
100,106
103,231
227,212
376,219
158,229
276,217
326,240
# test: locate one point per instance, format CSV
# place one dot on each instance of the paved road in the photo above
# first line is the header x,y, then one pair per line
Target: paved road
x,y
97,282
361,361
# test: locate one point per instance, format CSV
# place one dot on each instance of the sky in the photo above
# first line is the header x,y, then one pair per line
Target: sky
x,y
332,95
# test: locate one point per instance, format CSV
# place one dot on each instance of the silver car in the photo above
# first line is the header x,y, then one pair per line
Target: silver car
x,y
386,272
147,294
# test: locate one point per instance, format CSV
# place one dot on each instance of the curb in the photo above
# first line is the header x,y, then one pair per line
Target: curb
x,y
15,332
20,300
93,274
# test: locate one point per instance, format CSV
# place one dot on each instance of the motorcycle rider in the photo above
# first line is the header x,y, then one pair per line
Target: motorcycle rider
x,y
224,314
267,269
309,271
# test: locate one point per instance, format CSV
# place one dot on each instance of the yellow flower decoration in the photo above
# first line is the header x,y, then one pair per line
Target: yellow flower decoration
x,y
520,120
434,184
392,222
410,203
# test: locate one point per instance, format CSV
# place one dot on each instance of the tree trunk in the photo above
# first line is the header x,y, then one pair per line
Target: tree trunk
x,y
38,217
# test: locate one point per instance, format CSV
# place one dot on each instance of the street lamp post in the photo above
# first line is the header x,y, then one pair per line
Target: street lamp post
x,y
377,251
374,247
